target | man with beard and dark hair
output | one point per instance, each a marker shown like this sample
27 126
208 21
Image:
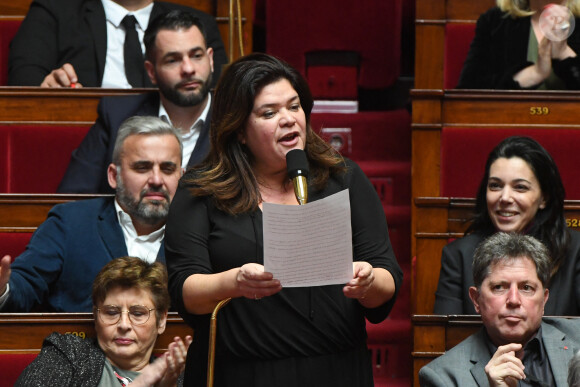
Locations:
181 65
77 239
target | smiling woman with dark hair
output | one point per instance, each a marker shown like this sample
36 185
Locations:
521 191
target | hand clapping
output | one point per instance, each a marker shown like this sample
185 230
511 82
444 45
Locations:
164 371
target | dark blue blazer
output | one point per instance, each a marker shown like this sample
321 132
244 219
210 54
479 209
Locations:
65 254
56 32
87 169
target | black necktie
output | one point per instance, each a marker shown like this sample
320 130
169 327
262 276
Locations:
134 67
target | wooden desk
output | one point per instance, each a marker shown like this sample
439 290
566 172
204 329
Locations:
25 212
433 335
37 105
438 220
24 332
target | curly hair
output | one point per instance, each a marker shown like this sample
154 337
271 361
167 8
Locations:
133 272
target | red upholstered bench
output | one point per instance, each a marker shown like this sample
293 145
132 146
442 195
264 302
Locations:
33 158
464 152
458 37
14 243
12 365
371 30
8 27
380 142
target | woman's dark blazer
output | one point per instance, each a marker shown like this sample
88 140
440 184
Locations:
499 50
455 278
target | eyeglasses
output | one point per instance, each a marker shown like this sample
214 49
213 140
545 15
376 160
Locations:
111 314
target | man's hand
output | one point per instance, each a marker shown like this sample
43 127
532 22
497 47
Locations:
65 76
505 368
4 273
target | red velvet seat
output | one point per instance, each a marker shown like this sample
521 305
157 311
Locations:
12 365
464 152
384 135
332 34
458 37
35 157
8 27
380 142
14 243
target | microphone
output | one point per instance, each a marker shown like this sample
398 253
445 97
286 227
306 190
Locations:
297 166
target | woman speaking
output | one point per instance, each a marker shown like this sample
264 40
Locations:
269 335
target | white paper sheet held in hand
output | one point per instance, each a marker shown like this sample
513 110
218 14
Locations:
309 245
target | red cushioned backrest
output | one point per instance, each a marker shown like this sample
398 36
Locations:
14 243
464 152
38 155
384 135
12 365
458 37
4 160
8 28
369 27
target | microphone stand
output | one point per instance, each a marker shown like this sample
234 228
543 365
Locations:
301 192
212 336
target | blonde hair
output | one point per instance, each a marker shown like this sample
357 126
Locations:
521 8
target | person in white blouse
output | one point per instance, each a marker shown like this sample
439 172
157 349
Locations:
67 251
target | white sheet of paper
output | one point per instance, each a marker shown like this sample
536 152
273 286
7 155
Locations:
309 245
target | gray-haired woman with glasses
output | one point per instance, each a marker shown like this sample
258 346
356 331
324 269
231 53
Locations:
130 303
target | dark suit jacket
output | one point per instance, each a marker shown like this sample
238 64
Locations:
499 50
65 255
456 277
87 170
56 32
464 364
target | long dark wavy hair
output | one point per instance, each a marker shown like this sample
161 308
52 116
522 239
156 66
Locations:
549 224
226 174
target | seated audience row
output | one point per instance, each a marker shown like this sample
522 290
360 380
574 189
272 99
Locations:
516 346
74 43
521 191
181 65
511 49
78 238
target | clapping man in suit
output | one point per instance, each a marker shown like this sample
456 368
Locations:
515 347
181 64
77 239
95 43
